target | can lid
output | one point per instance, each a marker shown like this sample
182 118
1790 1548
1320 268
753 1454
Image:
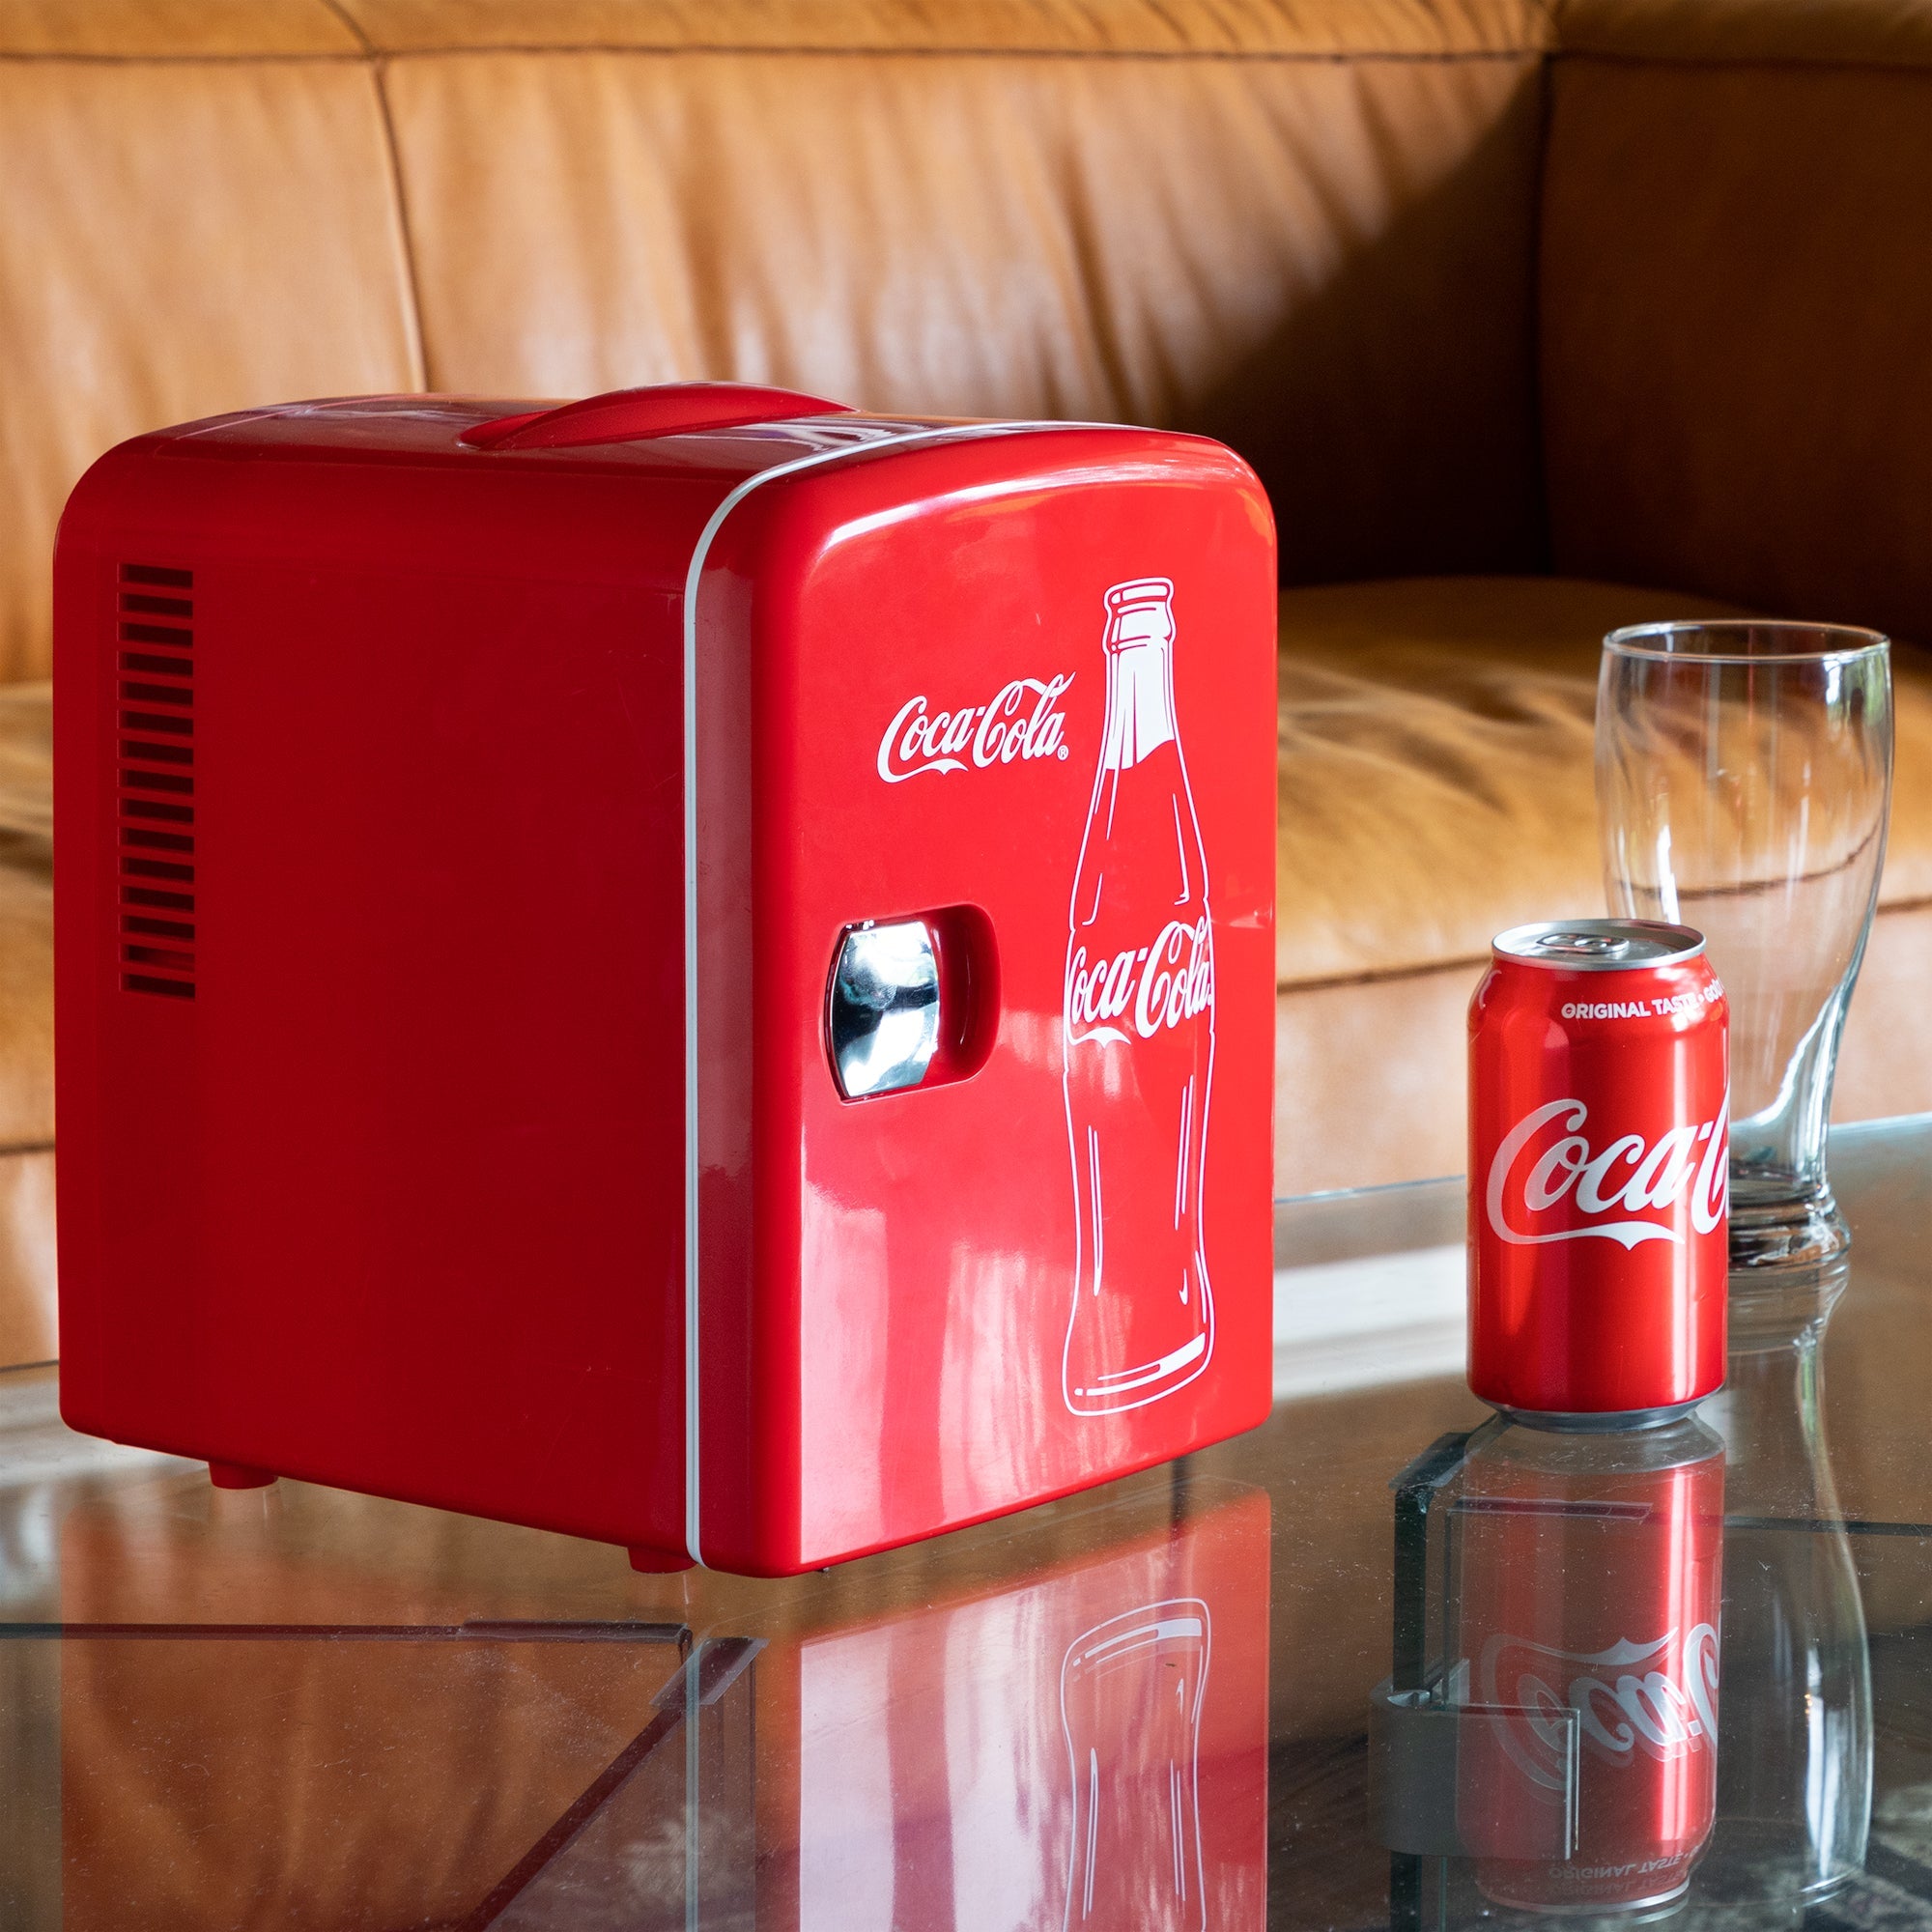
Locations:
1598 944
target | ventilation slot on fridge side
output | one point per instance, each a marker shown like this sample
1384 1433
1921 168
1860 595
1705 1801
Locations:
154 714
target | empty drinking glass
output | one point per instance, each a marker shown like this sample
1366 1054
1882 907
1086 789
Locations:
1743 780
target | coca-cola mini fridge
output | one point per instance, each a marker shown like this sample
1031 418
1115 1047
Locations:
693 968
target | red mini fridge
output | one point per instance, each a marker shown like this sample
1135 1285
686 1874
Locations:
693 968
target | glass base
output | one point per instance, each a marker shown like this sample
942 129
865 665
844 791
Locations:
1784 1230
1767 1864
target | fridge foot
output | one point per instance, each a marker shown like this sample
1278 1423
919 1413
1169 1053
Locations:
658 1562
238 1476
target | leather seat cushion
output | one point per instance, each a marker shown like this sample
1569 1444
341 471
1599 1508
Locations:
1435 787
26 918
27 1313
1436 780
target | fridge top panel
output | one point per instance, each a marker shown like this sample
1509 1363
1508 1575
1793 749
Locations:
703 427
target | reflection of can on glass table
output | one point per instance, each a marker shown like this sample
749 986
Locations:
1130 1692
1589 1580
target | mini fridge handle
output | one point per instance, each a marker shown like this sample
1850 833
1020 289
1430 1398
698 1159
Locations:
629 415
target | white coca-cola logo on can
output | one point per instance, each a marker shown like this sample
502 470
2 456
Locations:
1628 1699
1022 721
1150 987
1548 1170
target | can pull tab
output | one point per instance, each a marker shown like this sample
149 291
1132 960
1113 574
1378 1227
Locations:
1583 945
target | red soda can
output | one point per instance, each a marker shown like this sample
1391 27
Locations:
1588 1579
1599 1157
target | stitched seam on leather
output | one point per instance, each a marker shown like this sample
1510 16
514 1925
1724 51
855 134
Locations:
1223 56
406 242
1228 56
404 231
18 57
1539 412
350 24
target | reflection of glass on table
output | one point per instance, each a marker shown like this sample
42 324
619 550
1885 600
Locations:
1794 1784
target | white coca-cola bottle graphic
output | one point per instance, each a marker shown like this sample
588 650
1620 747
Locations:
1139 1030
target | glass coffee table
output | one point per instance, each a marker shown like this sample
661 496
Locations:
1350 1671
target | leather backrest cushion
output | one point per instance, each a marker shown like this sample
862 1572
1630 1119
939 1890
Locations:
1302 225
178 237
1325 262
123 30
1305 29
1736 312
1862 33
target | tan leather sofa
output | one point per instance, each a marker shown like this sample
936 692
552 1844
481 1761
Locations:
1534 319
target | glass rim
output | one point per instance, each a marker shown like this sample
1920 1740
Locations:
1632 640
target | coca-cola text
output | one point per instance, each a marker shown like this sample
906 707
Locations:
919 741
1156 986
1545 1160
1626 1699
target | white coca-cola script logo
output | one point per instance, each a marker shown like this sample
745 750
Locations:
1155 986
1545 1156
1625 1698
1021 722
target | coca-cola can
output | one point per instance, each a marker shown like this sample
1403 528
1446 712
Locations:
1586 1588
1598 1155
